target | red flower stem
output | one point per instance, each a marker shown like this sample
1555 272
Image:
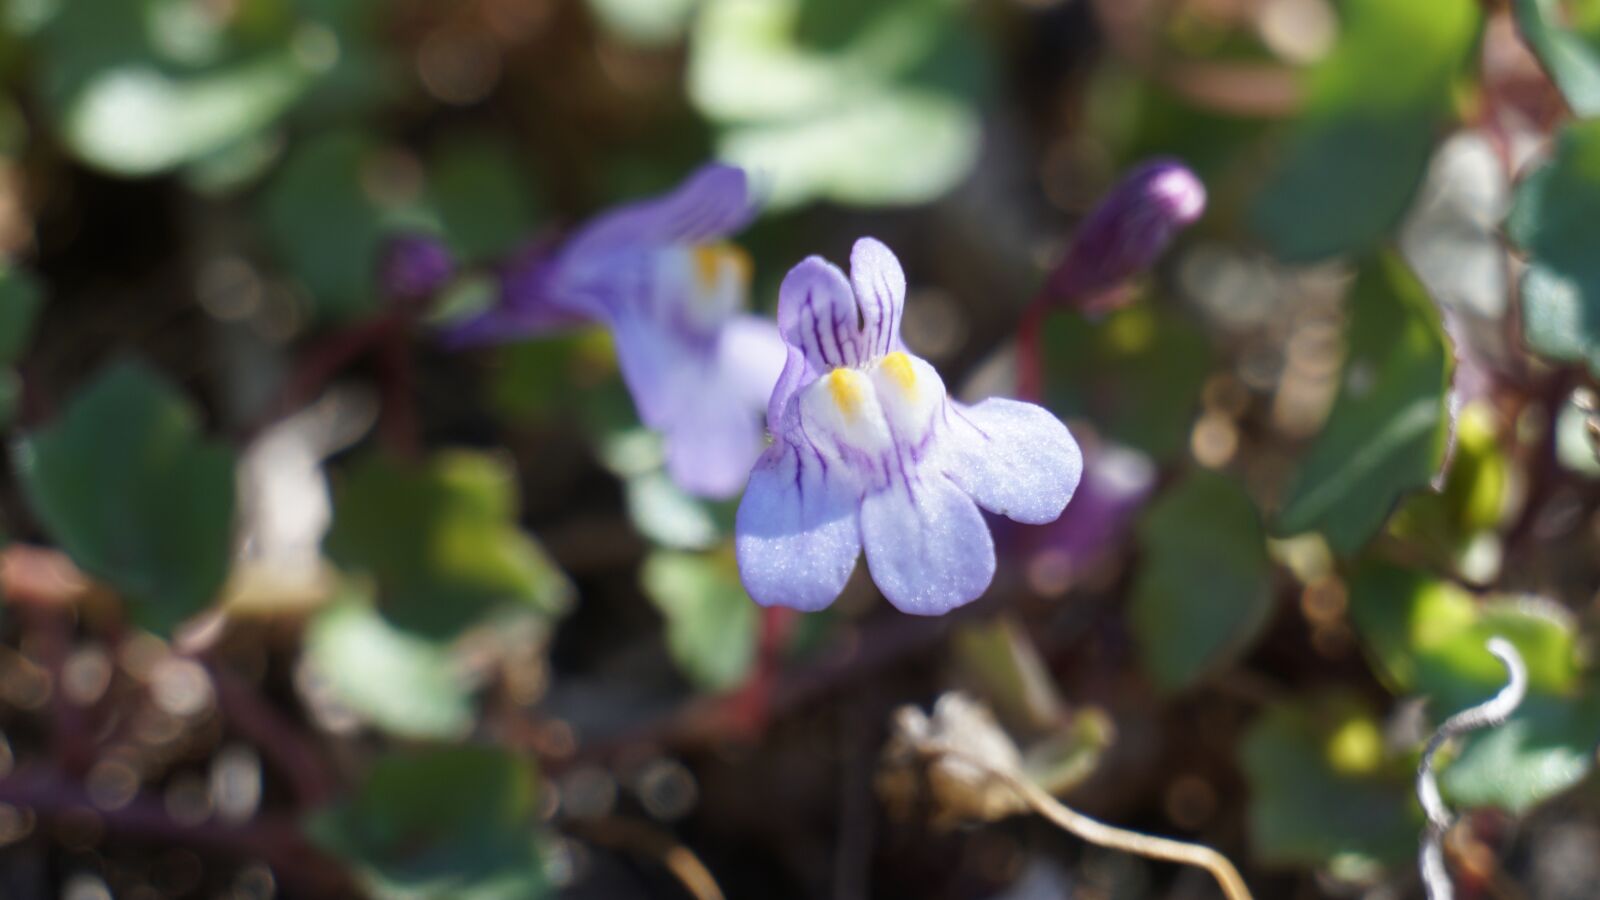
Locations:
1030 353
750 707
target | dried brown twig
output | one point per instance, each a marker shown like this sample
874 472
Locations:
1102 835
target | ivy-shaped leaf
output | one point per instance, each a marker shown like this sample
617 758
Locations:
451 823
711 621
325 223
1551 221
1135 374
1389 429
127 485
141 87
860 103
1428 637
1570 54
1323 790
477 189
1204 589
405 684
441 541
1375 105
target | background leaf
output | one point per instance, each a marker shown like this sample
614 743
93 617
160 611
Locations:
441 541
319 215
404 684
711 621
1205 589
440 824
857 103
1136 374
1554 207
125 482
1389 428
1428 637
1571 55
1359 149
1322 790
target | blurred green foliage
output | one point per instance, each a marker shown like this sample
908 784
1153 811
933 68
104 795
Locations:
1561 288
441 542
128 485
1187 625
296 136
1324 790
861 103
1390 426
1566 37
1373 111
403 683
451 823
1428 637
710 620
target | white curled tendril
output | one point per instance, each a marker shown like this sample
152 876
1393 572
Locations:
1490 714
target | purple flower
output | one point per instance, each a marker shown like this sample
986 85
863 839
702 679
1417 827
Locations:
415 267
658 275
1127 233
871 454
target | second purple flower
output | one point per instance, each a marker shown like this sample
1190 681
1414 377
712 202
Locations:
659 275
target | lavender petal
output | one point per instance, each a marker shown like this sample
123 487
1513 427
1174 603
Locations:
797 537
927 545
1012 458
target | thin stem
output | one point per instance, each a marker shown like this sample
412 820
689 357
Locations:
1102 835
1030 352
651 842
1492 713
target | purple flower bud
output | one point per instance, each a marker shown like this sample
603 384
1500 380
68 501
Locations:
1127 233
415 266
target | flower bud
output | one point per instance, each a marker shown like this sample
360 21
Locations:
414 267
1127 233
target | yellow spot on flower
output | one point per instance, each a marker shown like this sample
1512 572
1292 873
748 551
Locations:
846 387
710 260
899 368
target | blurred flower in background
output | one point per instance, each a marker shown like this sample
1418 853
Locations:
1125 235
658 275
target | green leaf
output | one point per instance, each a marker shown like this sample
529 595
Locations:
1428 637
1570 55
1357 154
1389 429
645 22
858 154
1323 792
441 541
126 484
21 298
1204 589
477 189
711 621
452 823
1551 219
1447 525
859 103
404 684
325 225
1136 374
142 86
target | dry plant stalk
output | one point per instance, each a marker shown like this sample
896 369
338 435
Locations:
1102 835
